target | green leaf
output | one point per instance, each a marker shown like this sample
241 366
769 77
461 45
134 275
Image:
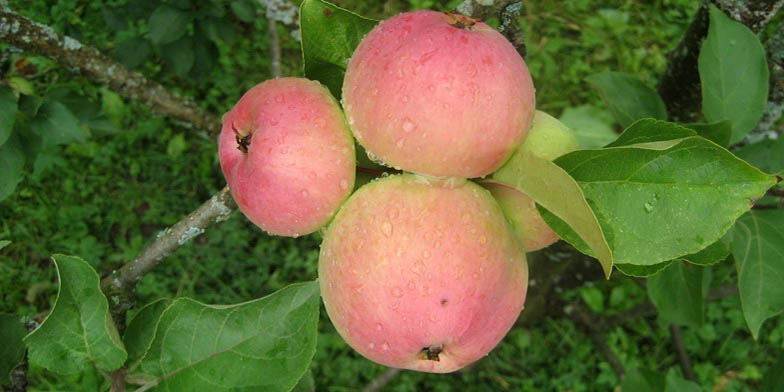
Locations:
8 104
767 155
179 55
713 254
57 125
306 383
677 294
22 85
141 330
653 134
733 75
243 10
113 106
12 161
643 380
78 330
329 36
217 30
757 242
774 377
719 132
661 204
133 51
642 271
266 344
591 126
676 383
4 243
13 349
553 189
176 146
168 24
627 97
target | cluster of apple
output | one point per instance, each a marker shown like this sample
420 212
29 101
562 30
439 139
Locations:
424 270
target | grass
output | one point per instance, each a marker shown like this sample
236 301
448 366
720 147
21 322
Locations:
105 199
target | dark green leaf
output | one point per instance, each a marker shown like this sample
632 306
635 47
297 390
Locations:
643 380
8 104
676 383
677 294
656 205
733 75
757 242
115 18
167 24
774 377
57 125
243 10
653 134
591 126
12 159
205 53
552 188
217 30
627 97
179 55
329 36
713 254
719 132
767 155
141 330
78 330
306 383
642 271
12 350
133 51
266 344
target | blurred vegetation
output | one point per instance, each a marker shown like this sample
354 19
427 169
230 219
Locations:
106 198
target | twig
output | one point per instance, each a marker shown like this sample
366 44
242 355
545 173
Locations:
274 47
583 316
119 284
381 380
507 12
69 53
683 356
776 192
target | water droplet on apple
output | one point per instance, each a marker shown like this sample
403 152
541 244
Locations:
386 228
408 125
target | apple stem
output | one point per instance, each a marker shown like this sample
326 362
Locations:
431 353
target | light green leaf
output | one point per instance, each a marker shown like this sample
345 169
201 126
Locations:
733 75
12 161
628 98
553 189
113 106
654 134
713 254
676 383
719 132
12 350
757 242
643 380
662 204
266 344
141 330
767 155
176 146
168 24
677 294
329 36
591 125
78 330
4 243
56 125
8 104
642 271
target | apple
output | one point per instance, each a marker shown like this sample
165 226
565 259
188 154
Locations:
287 155
438 94
422 274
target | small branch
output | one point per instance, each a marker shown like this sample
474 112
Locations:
69 53
683 356
507 12
19 376
381 380
119 284
583 316
776 192
274 47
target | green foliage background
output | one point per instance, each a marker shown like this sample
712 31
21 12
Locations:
107 197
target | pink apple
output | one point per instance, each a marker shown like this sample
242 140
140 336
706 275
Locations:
287 155
438 94
422 274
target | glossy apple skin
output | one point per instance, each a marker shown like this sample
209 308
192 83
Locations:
299 163
438 94
547 139
411 263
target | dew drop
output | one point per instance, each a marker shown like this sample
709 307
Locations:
344 184
399 143
408 125
379 327
385 346
426 254
648 207
372 345
386 228
374 92
404 98
304 193
279 98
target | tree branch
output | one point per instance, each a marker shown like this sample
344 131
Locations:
69 53
119 284
274 47
584 317
507 12
381 380
680 84
683 356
